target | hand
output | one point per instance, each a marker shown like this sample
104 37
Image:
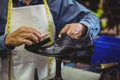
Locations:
74 30
23 35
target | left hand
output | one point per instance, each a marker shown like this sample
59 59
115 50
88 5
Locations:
74 30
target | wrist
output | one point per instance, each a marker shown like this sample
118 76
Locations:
7 42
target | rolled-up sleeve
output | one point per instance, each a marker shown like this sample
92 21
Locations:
70 11
3 47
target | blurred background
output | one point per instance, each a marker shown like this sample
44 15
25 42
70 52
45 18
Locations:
108 11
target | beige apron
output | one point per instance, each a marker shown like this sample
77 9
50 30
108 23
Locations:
24 62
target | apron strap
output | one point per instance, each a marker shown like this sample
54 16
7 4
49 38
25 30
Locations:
8 31
50 30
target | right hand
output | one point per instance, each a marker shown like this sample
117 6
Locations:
23 35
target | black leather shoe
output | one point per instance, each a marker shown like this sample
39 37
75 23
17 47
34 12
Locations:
65 46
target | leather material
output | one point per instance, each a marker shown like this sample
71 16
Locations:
65 46
35 47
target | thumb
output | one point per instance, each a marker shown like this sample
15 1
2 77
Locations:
64 30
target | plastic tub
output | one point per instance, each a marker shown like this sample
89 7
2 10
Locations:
106 50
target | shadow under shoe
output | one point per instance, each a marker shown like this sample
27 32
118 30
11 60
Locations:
65 46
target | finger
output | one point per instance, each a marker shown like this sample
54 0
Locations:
77 36
69 32
76 30
31 37
80 33
36 33
27 42
23 41
33 31
64 30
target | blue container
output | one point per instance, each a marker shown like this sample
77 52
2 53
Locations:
107 49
